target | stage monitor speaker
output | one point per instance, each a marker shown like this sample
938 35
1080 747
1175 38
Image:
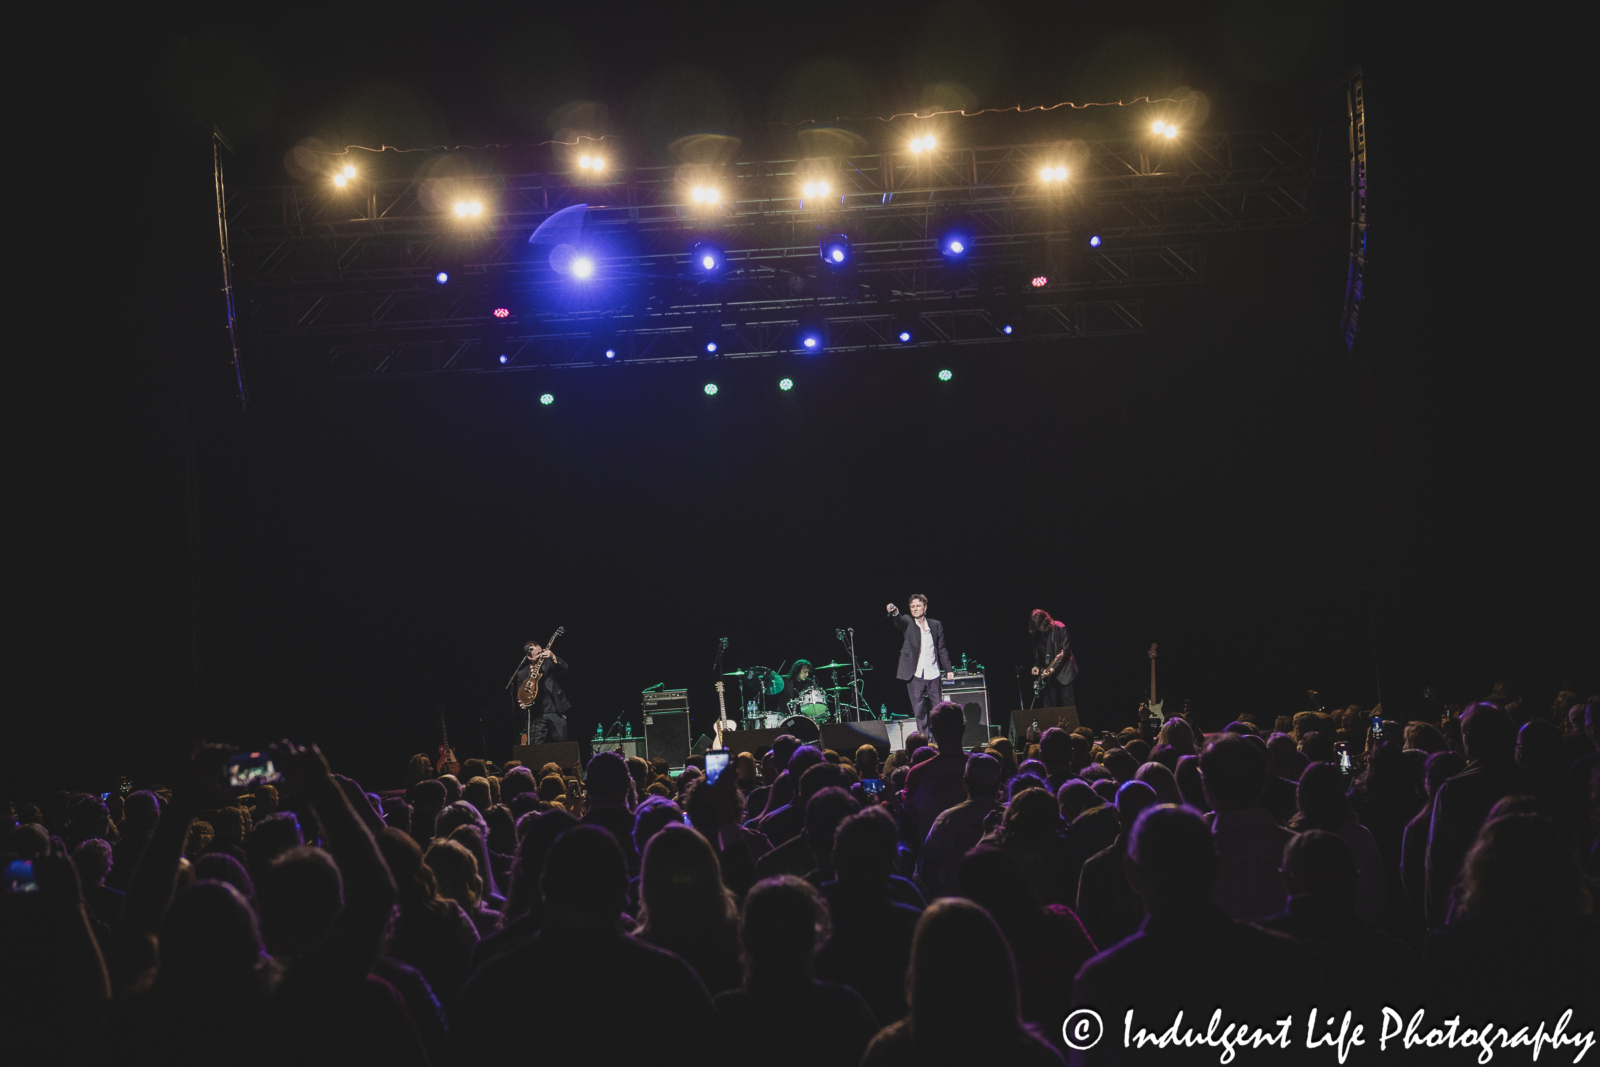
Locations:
754 742
624 746
897 731
563 753
666 736
1066 718
845 737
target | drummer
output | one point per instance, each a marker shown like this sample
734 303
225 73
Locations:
800 679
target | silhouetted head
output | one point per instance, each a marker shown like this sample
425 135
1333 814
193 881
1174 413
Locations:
1055 748
651 816
1076 797
981 776
1132 798
211 943
1233 773
947 723
864 847
1441 767
1522 872
1539 746
221 867
680 886
824 812
993 878
299 894
1032 813
585 876
607 778
783 924
1171 861
955 940
1319 863
1488 734
1321 799
1160 778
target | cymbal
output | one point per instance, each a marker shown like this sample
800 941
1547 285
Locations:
733 674
832 666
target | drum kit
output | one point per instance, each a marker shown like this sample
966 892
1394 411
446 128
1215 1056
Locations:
804 713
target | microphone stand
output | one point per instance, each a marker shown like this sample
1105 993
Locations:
848 636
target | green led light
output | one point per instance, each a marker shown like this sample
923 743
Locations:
786 385
711 389
547 399
945 376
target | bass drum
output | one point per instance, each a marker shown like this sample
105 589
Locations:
801 727
814 705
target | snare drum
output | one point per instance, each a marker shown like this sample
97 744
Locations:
814 704
772 720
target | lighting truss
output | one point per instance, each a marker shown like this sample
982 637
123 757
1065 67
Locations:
348 275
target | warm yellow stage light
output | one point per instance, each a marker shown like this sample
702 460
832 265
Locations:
704 195
597 163
1170 132
339 179
349 172
922 144
1158 127
585 162
477 208
1061 174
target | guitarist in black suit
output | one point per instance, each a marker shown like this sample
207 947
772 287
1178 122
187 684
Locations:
551 706
922 657
1053 660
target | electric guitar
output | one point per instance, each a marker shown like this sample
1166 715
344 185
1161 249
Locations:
448 764
723 722
1154 705
1048 673
528 691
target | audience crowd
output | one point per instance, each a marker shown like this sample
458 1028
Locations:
930 905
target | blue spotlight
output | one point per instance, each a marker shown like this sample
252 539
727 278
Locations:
504 359
441 277
711 348
1006 329
611 353
1094 242
905 336
707 257
957 240
583 268
834 249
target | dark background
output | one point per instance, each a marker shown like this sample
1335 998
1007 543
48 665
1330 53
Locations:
351 557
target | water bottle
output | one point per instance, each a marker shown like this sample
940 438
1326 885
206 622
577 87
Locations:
883 711
599 732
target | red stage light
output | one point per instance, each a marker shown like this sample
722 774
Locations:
502 313
1040 281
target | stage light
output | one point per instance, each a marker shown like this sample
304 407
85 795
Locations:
786 384
706 195
810 341
945 376
349 172
1094 241
922 144
547 400
339 180
583 267
611 353
1006 329
502 313
834 249
504 359
815 189
1170 132
441 277
707 256
711 348
711 389
465 208
955 246
1159 127
1053 174
1040 281
905 336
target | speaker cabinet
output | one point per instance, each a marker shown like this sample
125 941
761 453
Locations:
666 736
972 692
845 737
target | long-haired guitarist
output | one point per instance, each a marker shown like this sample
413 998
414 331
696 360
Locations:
547 718
1053 663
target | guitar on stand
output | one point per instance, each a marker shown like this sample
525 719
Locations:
1151 710
448 764
723 722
